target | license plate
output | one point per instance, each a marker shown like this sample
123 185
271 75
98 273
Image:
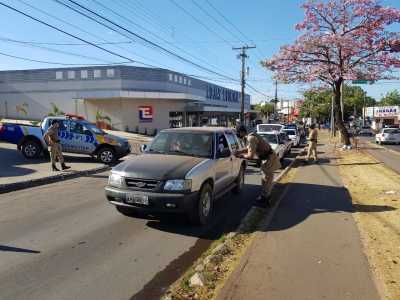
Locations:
137 199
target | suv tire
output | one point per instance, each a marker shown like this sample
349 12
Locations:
239 182
203 207
106 155
31 149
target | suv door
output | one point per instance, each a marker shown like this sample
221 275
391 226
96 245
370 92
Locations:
236 162
82 138
223 168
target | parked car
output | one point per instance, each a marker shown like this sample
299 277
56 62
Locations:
263 128
287 142
388 135
76 136
294 136
183 170
277 145
366 131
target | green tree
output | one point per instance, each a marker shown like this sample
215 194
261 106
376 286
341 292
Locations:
265 108
101 117
391 98
317 103
55 111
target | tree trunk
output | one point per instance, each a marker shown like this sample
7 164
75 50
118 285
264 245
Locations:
338 113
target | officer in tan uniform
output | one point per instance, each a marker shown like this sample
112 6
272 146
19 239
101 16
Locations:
312 145
258 148
52 139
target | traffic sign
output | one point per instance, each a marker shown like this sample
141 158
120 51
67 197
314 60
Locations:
362 81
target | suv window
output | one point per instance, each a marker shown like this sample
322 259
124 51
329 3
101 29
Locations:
222 143
233 142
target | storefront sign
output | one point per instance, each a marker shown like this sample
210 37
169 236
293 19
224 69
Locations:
387 111
145 114
222 94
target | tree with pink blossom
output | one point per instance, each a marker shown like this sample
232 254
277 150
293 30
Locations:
341 40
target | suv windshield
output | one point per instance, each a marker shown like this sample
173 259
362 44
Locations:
93 128
290 132
268 127
269 138
183 143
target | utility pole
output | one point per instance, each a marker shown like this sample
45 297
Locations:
243 57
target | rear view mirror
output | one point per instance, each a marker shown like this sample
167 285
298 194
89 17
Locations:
143 148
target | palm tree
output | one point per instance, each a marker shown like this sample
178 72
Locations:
55 111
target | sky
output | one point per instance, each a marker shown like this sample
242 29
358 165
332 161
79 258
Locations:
202 31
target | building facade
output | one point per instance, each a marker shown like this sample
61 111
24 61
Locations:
126 98
383 115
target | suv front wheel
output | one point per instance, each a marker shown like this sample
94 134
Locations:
106 155
202 209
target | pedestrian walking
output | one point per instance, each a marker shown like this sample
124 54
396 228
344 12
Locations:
258 148
312 143
52 139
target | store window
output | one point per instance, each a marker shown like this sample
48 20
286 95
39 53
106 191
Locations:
110 73
59 75
176 78
84 74
189 82
97 73
180 79
184 80
170 77
71 74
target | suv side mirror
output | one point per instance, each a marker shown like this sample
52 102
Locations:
143 148
224 153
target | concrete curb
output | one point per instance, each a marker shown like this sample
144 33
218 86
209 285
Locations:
11 187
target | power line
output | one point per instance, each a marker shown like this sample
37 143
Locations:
66 33
215 19
133 10
82 30
139 36
54 50
62 43
56 63
155 35
200 22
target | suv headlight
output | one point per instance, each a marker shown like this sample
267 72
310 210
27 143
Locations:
115 180
178 185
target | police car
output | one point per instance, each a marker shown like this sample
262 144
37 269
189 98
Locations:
76 136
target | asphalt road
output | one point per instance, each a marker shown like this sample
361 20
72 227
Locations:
388 155
64 241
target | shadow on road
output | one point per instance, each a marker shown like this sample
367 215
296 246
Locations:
15 249
304 200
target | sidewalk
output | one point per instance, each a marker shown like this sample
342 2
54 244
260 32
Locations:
311 249
17 172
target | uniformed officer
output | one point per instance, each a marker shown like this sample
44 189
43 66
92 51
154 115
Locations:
52 139
312 144
258 148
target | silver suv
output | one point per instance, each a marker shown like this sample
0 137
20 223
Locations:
183 170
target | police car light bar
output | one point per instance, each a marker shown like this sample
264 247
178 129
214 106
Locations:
72 116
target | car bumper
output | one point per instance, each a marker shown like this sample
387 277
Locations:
158 202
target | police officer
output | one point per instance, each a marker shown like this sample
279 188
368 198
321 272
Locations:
258 148
312 145
52 139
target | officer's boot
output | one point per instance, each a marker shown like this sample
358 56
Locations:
54 168
64 167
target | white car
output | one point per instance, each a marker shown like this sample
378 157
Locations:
264 128
366 130
277 145
388 135
294 136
